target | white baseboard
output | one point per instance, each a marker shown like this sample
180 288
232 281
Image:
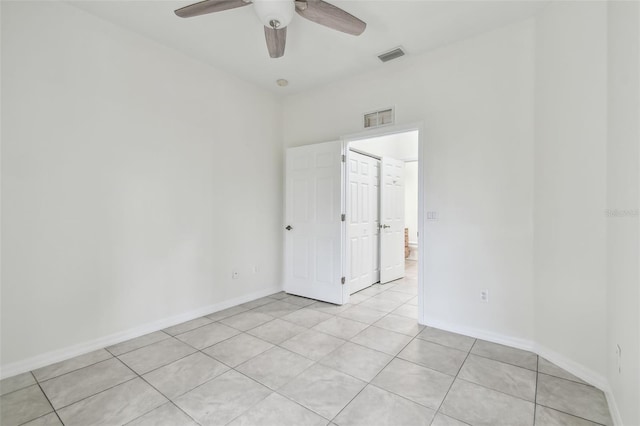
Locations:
58 355
577 369
478 333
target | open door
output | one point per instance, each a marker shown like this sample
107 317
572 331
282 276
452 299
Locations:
392 220
363 220
314 227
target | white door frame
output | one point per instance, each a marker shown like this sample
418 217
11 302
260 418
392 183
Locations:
385 131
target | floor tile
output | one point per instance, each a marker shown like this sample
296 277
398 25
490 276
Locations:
156 355
278 410
246 320
357 298
279 295
23 405
46 420
442 420
419 384
217 316
357 361
409 311
137 343
394 296
277 309
297 300
222 399
478 405
329 308
187 326
306 317
277 331
434 356
573 398
380 304
323 390
413 301
382 340
377 407
549 368
257 303
72 387
14 383
238 349
549 417
446 338
185 374
63 367
165 415
115 406
506 354
362 314
371 291
275 367
312 344
399 324
342 328
409 287
496 375
207 335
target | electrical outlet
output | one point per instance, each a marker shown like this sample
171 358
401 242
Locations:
254 269
235 274
619 353
484 295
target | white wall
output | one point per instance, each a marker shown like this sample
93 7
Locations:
570 182
623 198
402 146
476 100
131 182
411 200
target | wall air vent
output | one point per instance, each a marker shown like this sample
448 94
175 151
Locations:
391 55
379 118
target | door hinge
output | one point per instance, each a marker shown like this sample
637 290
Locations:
344 158
343 217
343 280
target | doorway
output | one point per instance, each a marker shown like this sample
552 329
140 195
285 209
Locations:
316 261
381 209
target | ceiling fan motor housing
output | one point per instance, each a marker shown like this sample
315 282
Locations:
274 13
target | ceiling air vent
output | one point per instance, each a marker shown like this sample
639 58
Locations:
378 118
391 55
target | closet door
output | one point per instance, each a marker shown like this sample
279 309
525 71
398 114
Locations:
392 220
362 220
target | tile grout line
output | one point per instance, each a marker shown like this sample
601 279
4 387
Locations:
453 381
374 377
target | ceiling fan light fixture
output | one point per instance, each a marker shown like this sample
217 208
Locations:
274 13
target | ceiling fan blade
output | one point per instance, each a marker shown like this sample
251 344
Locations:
326 14
276 40
209 6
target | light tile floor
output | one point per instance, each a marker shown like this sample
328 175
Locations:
286 360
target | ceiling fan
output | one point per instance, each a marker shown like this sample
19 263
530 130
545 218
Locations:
276 15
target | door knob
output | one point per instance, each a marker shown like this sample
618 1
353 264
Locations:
386 226
289 228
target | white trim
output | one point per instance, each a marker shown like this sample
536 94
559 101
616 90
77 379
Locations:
58 355
578 370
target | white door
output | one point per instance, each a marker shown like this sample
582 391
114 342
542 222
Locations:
313 242
362 220
392 220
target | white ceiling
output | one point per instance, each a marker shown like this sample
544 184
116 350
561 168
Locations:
233 40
